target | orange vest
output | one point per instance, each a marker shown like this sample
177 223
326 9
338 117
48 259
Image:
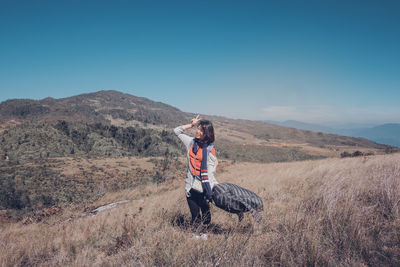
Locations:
195 159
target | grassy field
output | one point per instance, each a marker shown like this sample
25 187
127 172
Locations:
322 212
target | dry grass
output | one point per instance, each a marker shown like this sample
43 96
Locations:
327 212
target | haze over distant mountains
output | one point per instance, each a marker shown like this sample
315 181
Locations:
388 133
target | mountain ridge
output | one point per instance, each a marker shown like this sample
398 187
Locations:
240 137
90 107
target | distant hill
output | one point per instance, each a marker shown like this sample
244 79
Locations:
102 106
111 123
304 126
388 134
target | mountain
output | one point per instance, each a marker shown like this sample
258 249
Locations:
104 106
388 134
304 126
111 123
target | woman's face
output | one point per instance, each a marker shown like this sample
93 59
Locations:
199 133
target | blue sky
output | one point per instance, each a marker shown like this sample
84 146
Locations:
313 61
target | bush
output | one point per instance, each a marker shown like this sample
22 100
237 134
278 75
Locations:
158 177
345 154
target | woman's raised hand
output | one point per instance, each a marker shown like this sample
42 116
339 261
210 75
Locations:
196 120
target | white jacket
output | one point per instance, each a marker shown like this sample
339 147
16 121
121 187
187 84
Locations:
212 162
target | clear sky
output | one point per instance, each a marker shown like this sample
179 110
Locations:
314 61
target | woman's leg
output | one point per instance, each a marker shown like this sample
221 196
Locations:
194 209
205 212
196 201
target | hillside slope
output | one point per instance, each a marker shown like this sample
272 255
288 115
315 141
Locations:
236 139
37 135
327 212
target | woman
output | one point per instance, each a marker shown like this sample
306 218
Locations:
202 163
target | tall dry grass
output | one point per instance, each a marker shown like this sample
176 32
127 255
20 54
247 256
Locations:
327 212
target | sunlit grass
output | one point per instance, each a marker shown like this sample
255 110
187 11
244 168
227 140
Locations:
325 212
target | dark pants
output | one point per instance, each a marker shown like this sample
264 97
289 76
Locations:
197 202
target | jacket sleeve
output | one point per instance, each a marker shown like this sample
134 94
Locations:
207 188
183 137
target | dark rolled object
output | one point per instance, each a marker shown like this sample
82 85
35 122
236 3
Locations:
235 199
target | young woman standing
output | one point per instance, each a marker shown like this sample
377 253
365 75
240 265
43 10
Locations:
202 163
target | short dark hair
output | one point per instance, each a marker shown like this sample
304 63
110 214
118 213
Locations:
208 131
